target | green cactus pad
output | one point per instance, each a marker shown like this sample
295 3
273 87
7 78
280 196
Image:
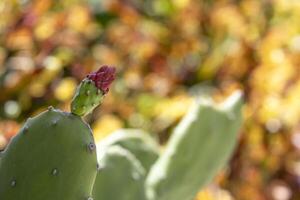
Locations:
199 147
120 176
137 142
53 157
0 158
86 98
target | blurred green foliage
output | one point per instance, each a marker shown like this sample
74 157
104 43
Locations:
166 52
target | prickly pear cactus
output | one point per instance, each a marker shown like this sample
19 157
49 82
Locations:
42 160
120 176
53 156
137 142
198 148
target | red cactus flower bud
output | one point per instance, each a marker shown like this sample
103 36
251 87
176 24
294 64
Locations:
103 77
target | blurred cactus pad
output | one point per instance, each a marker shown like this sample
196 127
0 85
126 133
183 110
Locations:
54 155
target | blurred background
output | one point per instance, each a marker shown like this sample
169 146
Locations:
166 52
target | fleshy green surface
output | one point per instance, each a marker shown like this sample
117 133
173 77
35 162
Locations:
137 142
199 147
53 157
86 98
120 176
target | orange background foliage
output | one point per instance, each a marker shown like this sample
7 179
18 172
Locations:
166 52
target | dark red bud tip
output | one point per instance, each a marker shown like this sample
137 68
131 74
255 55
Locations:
103 77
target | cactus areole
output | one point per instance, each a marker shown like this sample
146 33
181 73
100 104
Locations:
91 91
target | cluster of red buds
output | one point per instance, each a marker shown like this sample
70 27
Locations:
103 77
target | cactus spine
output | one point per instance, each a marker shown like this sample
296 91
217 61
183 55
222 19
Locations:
54 154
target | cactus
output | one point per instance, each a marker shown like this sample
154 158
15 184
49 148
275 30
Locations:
121 176
41 161
54 156
198 148
200 145
92 90
137 142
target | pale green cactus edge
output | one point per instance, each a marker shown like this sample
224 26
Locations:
199 147
120 176
137 142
